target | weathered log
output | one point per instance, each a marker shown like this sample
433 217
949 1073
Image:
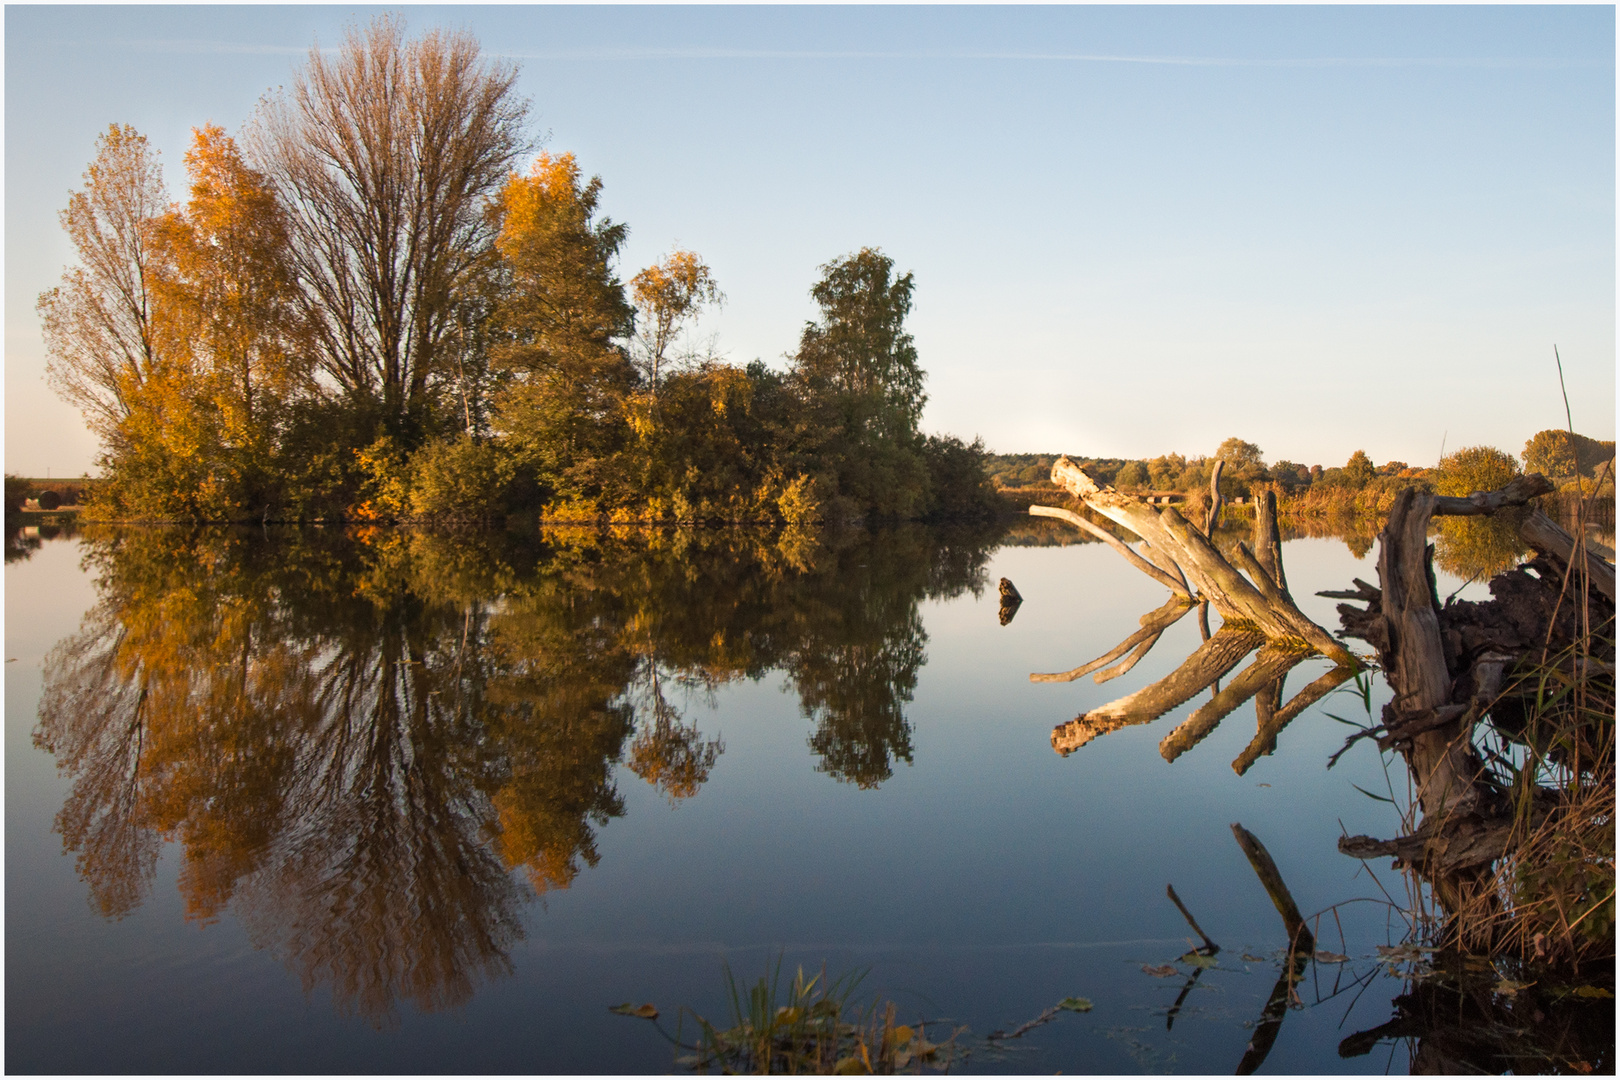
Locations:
1174 584
1518 492
1270 663
1449 846
1267 538
1153 624
1442 760
1549 538
1213 658
1129 662
1234 596
1203 567
1266 737
1213 517
1301 947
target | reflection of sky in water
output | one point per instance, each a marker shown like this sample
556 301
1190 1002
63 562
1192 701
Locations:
983 881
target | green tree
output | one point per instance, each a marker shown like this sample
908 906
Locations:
858 374
1236 452
563 317
1132 477
859 349
1359 470
1559 453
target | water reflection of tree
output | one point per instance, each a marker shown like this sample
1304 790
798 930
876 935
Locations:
357 740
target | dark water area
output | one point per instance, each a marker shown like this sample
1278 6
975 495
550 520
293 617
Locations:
325 800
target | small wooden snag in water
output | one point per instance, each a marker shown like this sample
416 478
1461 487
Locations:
1300 939
1010 599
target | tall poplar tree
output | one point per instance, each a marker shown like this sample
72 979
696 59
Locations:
97 323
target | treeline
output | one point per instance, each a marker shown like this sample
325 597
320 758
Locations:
364 311
1562 456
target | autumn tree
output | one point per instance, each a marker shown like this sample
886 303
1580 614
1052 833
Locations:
224 287
201 433
667 296
97 323
386 153
563 318
1561 453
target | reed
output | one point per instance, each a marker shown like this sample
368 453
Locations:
810 1025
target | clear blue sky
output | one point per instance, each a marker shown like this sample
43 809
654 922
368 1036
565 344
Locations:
1134 229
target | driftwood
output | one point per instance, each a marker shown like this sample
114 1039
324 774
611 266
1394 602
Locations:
1265 738
1214 658
1549 538
1172 537
1154 623
1213 517
1174 584
1270 664
1301 949
1257 613
1448 667
1300 939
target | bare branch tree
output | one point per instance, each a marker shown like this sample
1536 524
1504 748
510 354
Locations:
386 154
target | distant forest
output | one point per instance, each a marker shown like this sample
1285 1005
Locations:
1559 455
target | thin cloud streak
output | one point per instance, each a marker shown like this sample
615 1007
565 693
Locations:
192 46
705 53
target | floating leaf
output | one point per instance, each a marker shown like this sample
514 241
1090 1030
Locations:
645 1012
1508 986
1325 957
1253 959
1075 1004
1198 959
1592 992
1404 952
902 1035
1163 971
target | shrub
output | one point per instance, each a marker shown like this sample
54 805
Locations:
1477 546
18 491
460 480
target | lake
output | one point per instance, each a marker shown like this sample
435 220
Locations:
328 800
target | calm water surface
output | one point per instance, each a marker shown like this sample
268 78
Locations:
321 801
